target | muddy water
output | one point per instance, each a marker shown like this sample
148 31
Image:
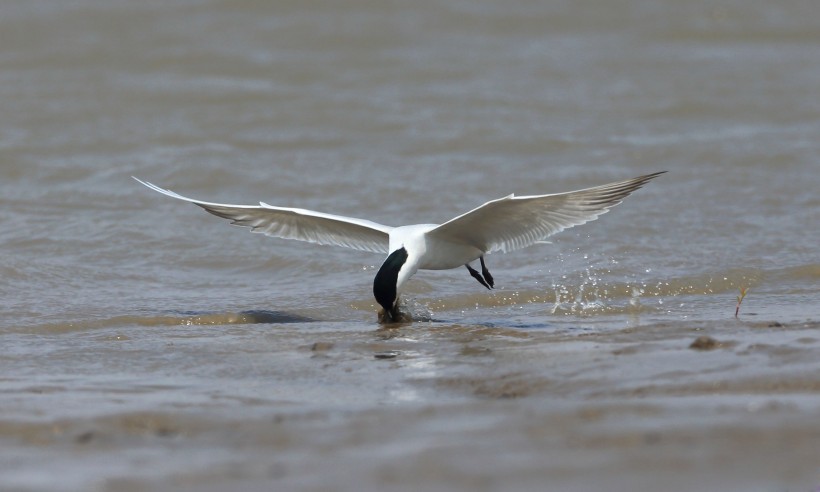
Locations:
150 346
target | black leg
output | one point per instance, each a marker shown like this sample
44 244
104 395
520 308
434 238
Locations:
486 273
477 276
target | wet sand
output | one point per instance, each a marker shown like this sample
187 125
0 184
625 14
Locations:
427 406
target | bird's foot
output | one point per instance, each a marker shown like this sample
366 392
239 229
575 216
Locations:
478 276
486 273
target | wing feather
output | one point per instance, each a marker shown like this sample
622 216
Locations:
297 223
512 223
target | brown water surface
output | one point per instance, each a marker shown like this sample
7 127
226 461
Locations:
147 345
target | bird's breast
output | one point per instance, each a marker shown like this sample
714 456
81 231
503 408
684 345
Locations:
441 255
431 253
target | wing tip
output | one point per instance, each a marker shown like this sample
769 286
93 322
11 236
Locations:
637 183
165 192
147 184
654 175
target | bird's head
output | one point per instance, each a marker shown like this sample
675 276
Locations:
385 285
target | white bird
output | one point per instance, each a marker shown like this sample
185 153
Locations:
505 224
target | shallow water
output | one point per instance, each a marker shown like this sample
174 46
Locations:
150 346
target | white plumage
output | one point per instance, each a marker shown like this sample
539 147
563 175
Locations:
505 224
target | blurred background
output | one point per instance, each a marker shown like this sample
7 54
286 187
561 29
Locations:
397 112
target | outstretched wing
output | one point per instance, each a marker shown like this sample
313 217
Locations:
297 223
513 222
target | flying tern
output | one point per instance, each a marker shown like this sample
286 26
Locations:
506 224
